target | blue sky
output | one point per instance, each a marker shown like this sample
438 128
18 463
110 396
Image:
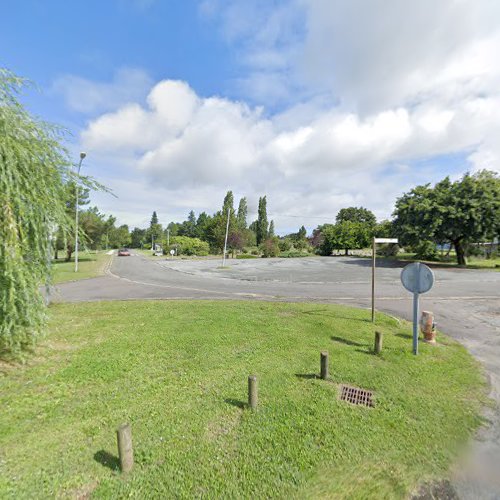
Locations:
319 104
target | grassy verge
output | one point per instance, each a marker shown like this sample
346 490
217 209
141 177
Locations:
90 265
177 371
472 262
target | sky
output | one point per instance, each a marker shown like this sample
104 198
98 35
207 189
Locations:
317 104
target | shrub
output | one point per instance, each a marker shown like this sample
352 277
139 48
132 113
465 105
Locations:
389 250
189 246
270 247
285 244
426 250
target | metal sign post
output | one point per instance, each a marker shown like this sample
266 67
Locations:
417 278
375 241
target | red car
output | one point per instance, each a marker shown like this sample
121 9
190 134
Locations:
124 252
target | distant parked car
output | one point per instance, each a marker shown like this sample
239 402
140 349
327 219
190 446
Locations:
124 252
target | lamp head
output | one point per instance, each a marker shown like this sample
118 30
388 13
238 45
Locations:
83 155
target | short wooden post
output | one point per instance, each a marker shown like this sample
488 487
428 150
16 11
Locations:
252 392
125 451
324 365
378 342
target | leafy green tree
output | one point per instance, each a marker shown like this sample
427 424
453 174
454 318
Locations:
271 229
188 227
119 237
356 214
345 236
202 225
242 214
461 212
228 205
155 230
173 227
262 224
34 170
137 237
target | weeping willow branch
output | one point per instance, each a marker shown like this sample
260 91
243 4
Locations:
33 169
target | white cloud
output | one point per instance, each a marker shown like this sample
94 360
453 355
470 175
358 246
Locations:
376 92
183 142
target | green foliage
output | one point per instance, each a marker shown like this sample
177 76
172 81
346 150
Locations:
262 224
189 246
426 250
271 232
460 212
137 237
155 230
293 254
270 247
119 237
356 214
242 214
33 168
345 235
285 244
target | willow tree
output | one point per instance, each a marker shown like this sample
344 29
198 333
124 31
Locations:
34 167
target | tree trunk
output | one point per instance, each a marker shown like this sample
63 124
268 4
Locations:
69 253
346 251
459 249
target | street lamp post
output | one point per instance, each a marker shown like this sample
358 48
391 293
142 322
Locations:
82 156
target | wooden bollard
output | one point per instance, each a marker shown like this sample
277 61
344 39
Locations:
378 342
324 365
252 392
125 451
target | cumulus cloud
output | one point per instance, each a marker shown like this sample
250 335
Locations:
373 96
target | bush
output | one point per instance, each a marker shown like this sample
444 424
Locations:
255 252
285 244
270 247
189 246
389 250
293 254
246 256
426 250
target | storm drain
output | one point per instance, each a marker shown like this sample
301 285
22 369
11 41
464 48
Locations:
357 396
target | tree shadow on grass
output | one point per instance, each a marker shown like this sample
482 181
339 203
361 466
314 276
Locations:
367 350
346 341
307 376
326 312
107 459
404 335
236 402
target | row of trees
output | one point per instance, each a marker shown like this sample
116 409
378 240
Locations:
450 214
206 233
457 214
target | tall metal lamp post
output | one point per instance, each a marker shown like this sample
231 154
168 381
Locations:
82 156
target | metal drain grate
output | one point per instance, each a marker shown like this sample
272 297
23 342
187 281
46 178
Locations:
357 396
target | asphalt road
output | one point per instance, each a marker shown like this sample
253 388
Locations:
466 305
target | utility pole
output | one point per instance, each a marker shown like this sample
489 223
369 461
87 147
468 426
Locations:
82 156
225 240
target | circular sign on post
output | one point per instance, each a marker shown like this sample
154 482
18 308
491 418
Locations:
417 277
172 252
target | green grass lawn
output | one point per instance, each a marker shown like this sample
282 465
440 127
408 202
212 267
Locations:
90 265
472 262
177 371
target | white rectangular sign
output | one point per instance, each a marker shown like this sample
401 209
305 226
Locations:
386 240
